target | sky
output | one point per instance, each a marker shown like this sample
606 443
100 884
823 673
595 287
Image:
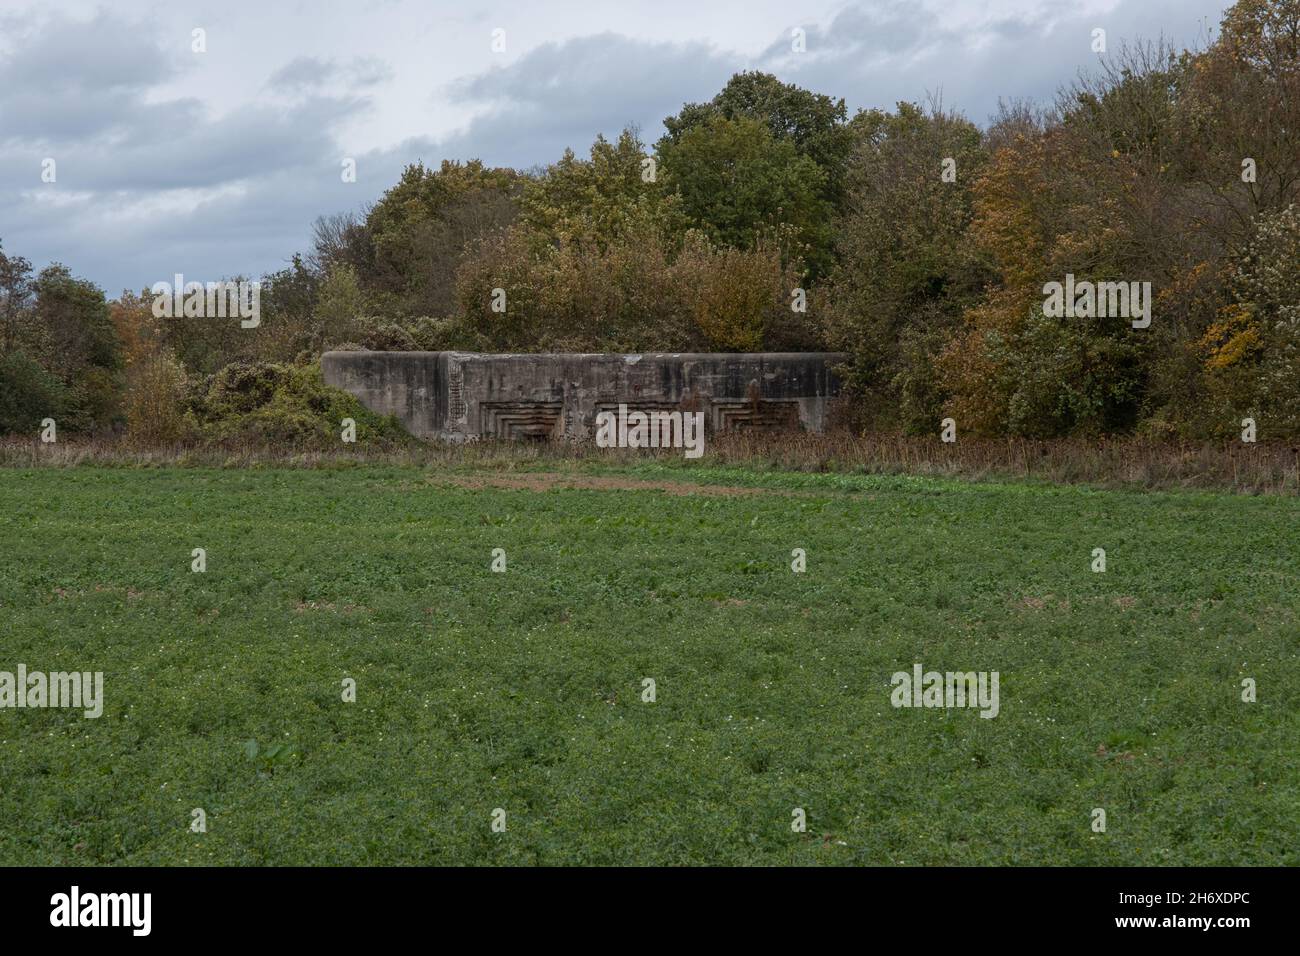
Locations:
215 163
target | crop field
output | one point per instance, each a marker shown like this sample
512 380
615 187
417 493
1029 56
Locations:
528 690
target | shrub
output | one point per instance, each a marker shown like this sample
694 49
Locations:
264 403
1251 355
1065 376
155 396
28 393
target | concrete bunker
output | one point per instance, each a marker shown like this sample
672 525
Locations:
464 396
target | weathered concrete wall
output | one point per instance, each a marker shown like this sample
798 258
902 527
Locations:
410 385
459 396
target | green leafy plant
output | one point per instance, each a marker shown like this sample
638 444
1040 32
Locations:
267 758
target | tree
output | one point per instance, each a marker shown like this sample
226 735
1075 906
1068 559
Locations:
736 182
600 199
28 394
62 354
816 125
15 299
154 392
1251 354
340 305
909 221
420 229
1243 103
635 291
340 240
1085 195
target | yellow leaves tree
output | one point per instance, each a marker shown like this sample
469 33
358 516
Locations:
155 379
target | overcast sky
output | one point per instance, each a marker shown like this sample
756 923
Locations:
216 163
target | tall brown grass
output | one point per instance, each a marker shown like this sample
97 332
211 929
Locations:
1113 463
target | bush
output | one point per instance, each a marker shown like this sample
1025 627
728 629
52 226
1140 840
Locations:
155 395
636 292
28 394
1065 376
264 403
1251 355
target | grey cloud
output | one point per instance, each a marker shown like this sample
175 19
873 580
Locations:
100 53
246 145
889 28
309 72
302 71
176 148
80 93
34 116
562 94
876 55
71 81
250 232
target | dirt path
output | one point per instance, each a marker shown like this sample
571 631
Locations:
549 481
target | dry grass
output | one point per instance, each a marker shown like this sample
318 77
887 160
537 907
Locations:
1115 463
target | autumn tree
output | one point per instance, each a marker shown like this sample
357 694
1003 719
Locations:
419 230
599 199
904 266
1240 126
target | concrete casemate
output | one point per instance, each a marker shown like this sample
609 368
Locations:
462 396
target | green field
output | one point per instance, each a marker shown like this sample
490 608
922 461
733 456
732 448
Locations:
523 690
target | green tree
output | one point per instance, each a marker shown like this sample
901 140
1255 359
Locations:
816 125
28 394
340 305
600 199
15 299
74 338
737 182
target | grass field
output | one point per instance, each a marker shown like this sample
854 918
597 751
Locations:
523 690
